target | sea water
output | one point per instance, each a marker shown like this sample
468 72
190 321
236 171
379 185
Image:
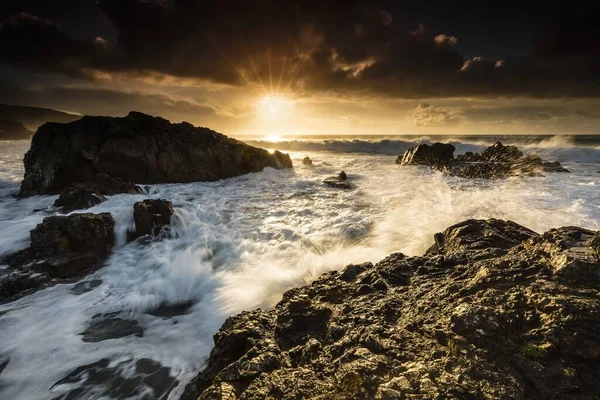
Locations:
239 244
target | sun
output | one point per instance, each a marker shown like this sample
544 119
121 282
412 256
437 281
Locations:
273 107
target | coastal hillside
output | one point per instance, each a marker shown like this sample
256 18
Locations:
33 117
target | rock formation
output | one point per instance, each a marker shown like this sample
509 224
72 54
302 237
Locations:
88 194
62 247
138 148
496 162
150 217
491 311
339 181
306 161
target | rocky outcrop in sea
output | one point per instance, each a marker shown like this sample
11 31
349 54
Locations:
492 310
137 148
496 162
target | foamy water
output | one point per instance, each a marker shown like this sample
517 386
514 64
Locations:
238 244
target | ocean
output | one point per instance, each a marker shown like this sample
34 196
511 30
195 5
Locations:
239 244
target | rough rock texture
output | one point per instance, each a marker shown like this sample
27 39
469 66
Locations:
62 247
339 181
306 161
87 194
424 154
496 162
138 148
150 217
492 311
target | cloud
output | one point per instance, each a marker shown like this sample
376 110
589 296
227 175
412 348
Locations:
306 46
426 115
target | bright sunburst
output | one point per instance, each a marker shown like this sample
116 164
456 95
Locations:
274 107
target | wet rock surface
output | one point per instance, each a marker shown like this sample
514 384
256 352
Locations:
81 195
306 161
110 326
491 311
137 148
496 162
143 378
62 248
151 217
339 181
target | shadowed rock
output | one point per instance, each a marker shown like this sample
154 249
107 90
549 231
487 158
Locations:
339 182
62 247
424 154
306 161
88 194
492 311
496 162
138 148
150 217
13 130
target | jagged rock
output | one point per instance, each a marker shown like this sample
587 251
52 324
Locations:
80 195
138 148
554 166
13 130
424 154
496 162
339 182
492 311
150 217
62 247
306 161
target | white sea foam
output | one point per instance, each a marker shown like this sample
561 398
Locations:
240 243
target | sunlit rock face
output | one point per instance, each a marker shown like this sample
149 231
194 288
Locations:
491 311
138 148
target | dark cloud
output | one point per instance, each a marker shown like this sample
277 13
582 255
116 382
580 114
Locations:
309 45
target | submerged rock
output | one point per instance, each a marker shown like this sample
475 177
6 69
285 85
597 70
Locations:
339 182
150 217
554 166
306 161
137 148
62 247
496 162
492 311
105 327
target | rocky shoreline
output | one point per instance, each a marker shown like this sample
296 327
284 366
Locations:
493 310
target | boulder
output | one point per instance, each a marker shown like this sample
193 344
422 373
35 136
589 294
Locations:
339 181
306 161
137 148
554 166
62 247
80 195
150 217
501 153
424 154
492 311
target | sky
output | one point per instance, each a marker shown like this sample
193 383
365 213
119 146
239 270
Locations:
299 67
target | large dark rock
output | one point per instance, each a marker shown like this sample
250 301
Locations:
492 311
62 247
150 217
80 195
138 148
13 130
424 154
496 162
